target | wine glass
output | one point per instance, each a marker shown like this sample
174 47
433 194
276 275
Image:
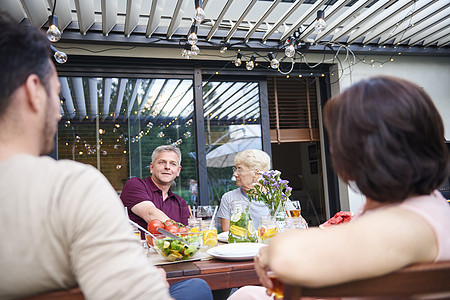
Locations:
293 208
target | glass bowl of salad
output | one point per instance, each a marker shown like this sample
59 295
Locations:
174 250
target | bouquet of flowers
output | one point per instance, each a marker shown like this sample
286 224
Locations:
272 190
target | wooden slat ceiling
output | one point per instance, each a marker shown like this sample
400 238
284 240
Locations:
414 26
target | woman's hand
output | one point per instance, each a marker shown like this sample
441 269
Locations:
262 266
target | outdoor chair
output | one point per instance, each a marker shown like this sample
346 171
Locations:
425 279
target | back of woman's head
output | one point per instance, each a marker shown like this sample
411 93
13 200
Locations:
387 136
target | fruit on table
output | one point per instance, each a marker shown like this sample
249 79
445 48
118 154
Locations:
339 218
172 228
210 238
236 217
153 226
239 231
268 233
251 228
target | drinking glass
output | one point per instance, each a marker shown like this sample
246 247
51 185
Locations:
267 229
293 208
194 224
296 223
209 230
204 211
277 290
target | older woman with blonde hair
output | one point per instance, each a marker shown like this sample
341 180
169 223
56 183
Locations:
248 164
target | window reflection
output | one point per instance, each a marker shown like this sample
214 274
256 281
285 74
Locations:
232 124
115 123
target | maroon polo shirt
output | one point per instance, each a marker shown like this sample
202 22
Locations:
137 190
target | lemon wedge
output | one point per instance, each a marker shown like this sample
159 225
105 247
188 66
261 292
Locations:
270 233
235 217
211 242
251 228
239 231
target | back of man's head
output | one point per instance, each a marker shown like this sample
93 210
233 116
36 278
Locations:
24 50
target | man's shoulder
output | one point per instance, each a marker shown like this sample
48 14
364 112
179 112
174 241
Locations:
136 182
48 164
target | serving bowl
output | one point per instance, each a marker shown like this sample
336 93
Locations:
175 250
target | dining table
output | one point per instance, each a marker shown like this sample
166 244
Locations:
218 273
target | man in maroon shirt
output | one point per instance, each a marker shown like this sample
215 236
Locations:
151 198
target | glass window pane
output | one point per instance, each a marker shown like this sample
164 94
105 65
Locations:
232 124
114 124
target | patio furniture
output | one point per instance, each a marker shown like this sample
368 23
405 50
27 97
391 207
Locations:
419 279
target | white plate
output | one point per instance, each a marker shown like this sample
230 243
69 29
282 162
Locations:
223 237
236 251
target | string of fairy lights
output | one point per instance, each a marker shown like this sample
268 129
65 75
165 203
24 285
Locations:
293 53
123 138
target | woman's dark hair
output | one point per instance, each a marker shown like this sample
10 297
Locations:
24 50
387 136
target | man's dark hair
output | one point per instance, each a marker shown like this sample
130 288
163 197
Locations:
24 50
387 136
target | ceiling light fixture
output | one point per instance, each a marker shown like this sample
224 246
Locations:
320 21
274 63
53 32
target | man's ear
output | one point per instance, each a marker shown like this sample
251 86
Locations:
33 87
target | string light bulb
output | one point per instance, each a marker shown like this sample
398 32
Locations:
195 50
192 37
53 33
224 48
59 56
290 49
274 63
320 21
238 60
251 63
186 52
199 12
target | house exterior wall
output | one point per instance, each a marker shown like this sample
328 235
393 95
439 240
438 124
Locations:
431 73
